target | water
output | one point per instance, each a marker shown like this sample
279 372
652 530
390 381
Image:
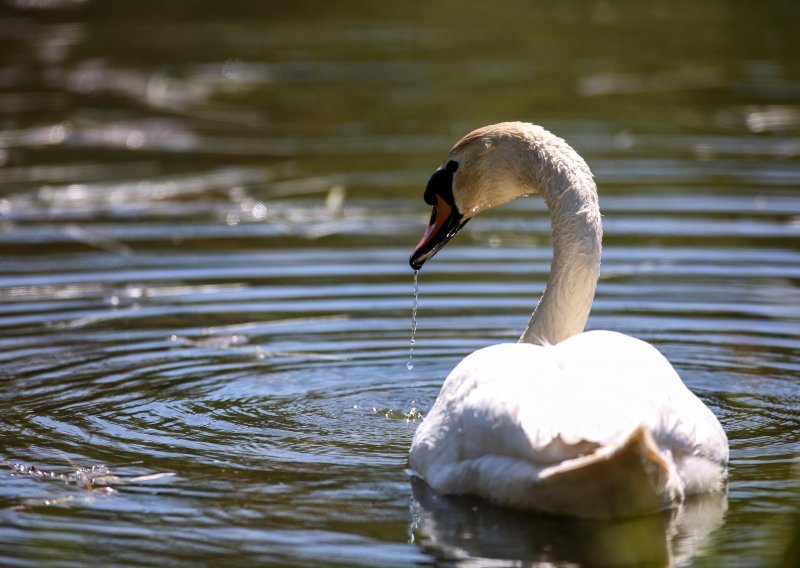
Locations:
414 306
205 223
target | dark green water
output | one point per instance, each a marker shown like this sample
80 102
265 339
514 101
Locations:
206 211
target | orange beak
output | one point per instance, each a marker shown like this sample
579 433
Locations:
444 224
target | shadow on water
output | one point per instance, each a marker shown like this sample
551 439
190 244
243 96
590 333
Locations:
469 532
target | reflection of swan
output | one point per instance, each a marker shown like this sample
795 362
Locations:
594 424
480 534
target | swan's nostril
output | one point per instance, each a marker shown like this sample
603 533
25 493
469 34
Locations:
441 184
435 184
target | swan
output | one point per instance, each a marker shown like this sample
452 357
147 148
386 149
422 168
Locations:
590 424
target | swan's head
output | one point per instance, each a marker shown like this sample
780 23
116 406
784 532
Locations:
487 167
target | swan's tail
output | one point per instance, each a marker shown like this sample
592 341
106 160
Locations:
625 479
629 478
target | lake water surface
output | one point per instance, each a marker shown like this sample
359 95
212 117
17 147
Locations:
206 211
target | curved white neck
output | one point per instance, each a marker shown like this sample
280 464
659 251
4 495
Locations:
567 186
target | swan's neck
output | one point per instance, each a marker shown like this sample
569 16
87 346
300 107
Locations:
567 186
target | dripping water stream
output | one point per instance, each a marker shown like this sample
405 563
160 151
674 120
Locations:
415 303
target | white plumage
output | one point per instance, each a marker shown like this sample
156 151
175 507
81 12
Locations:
594 424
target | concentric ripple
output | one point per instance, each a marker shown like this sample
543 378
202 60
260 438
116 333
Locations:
205 298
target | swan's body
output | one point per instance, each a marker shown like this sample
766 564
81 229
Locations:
594 424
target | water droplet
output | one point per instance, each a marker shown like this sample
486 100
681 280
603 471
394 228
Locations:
410 364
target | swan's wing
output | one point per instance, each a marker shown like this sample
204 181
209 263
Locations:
650 392
530 408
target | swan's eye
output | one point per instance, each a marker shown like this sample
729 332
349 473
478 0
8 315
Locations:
441 183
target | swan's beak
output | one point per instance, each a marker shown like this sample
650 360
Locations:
445 222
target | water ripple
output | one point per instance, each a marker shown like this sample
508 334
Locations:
204 281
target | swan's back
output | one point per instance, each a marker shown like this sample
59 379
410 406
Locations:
599 425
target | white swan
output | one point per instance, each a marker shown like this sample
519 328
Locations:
594 424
